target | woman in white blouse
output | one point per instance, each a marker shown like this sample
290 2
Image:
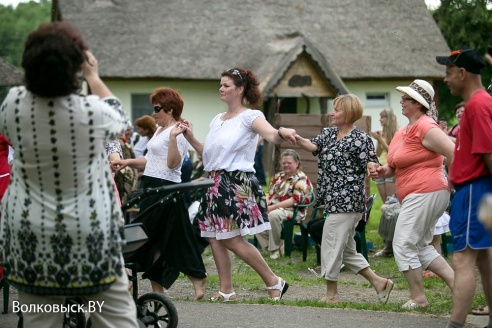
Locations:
173 247
236 205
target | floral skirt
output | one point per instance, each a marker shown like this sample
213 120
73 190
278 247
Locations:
235 205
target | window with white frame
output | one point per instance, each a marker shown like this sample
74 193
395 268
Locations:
377 100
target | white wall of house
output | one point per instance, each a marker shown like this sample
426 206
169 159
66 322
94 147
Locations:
371 108
201 99
361 89
202 102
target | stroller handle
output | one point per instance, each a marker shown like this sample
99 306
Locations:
179 187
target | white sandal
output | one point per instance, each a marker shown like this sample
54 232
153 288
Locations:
224 297
281 287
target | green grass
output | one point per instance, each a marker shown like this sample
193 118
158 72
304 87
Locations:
245 278
290 269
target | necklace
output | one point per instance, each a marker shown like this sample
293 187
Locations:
168 125
226 119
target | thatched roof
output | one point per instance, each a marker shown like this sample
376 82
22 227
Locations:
196 40
9 74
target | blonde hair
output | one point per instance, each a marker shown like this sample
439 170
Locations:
389 130
350 105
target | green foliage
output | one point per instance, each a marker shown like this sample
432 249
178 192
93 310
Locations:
463 22
16 24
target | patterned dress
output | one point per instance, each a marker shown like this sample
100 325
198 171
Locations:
342 168
236 204
60 228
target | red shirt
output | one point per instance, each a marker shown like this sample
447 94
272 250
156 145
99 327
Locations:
4 165
474 139
4 154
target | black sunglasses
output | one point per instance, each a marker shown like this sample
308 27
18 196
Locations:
157 109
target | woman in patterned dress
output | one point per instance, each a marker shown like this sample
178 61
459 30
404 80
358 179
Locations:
344 155
60 220
236 205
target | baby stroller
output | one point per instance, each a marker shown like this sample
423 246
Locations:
153 309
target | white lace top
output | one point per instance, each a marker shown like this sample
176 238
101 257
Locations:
231 145
157 149
140 146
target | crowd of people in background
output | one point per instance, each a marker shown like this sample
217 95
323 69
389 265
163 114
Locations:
75 176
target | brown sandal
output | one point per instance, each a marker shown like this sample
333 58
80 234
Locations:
481 310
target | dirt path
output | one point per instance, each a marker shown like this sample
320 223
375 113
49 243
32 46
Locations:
352 288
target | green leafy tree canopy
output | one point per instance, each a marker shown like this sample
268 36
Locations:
16 24
463 22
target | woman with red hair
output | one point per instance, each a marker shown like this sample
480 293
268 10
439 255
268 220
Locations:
173 246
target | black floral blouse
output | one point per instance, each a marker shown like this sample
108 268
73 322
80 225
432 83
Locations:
342 168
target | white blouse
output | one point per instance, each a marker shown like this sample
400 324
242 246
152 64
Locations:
140 147
231 145
157 149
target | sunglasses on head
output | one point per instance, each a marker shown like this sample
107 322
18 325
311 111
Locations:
157 109
234 71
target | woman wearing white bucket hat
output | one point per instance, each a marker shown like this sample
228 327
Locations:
415 157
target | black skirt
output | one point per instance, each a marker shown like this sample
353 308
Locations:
172 246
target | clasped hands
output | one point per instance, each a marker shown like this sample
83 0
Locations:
378 135
376 171
117 165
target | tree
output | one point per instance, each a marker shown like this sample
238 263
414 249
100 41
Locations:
463 22
15 25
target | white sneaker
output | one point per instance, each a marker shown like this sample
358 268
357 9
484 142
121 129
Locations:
275 255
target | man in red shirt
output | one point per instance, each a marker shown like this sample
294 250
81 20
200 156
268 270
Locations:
471 175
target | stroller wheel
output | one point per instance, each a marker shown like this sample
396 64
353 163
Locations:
73 319
156 310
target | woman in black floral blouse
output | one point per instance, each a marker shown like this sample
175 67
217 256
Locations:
344 155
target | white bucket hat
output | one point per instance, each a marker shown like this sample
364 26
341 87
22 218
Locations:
421 91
